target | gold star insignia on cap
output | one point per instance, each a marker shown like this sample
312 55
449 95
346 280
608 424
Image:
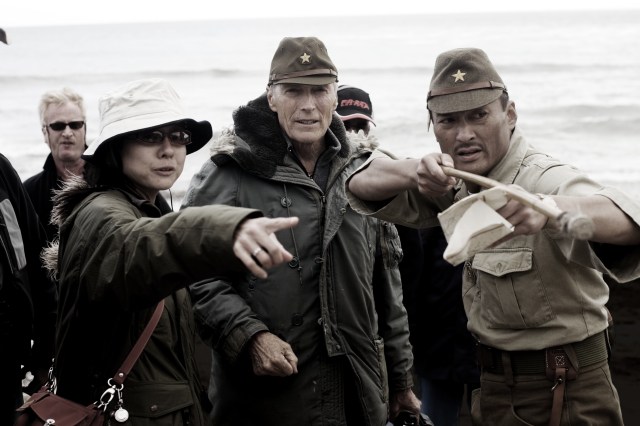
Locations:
459 76
305 58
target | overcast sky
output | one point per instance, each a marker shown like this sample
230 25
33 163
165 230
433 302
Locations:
71 12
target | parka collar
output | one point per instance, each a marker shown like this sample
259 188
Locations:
258 145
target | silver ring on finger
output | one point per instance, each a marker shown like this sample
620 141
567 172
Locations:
256 251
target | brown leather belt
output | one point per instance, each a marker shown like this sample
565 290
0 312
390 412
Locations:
591 350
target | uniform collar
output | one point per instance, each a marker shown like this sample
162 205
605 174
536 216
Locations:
507 169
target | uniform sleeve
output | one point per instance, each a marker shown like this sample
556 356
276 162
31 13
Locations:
408 208
620 262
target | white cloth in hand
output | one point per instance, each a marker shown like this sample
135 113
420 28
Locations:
472 224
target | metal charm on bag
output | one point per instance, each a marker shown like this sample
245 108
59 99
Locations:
121 415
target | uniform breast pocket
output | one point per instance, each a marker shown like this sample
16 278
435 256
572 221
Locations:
512 292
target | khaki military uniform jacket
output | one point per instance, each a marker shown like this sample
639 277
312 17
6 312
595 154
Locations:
533 291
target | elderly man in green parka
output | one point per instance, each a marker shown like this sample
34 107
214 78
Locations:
316 342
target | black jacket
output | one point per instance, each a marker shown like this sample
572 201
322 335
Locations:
27 297
443 347
40 187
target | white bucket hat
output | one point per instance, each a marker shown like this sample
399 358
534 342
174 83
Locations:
145 104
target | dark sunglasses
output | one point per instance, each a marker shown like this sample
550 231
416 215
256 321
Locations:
177 137
356 124
59 126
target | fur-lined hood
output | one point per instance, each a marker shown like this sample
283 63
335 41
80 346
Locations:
76 191
257 143
65 200
72 193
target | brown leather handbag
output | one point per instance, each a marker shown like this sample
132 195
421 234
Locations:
45 408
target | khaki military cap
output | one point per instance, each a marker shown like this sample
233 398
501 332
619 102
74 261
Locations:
463 79
302 60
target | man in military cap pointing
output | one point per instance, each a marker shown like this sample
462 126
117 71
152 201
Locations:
535 299
315 343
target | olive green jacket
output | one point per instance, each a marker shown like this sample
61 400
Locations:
325 303
118 257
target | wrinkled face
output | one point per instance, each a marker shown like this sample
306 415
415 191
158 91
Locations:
154 164
304 111
67 144
476 139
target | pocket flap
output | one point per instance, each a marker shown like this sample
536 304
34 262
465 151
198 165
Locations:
152 400
505 261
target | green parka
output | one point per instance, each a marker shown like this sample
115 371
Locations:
118 257
326 303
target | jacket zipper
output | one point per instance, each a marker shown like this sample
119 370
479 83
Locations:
3 240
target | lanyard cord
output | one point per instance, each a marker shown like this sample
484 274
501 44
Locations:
297 259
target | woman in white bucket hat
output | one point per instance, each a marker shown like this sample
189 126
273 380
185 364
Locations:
122 250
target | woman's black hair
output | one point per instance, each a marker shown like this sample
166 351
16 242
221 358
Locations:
105 166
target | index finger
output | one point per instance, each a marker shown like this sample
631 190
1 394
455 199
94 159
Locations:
431 176
435 168
279 223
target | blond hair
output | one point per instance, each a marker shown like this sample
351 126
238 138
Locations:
60 97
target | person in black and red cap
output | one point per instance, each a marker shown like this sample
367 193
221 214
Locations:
444 356
355 109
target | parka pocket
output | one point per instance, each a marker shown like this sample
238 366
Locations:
382 362
512 293
154 400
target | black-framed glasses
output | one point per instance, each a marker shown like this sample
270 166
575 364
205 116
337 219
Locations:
156 137
59 126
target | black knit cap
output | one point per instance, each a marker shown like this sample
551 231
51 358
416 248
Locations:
302 60
463 79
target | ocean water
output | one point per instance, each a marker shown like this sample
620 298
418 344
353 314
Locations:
572 75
